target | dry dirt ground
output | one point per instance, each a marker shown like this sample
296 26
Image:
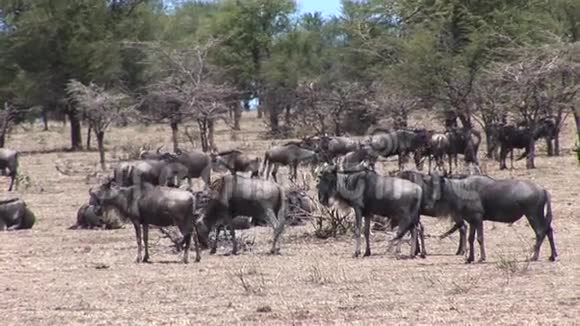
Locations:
51 275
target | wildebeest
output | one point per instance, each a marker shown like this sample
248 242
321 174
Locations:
91 216
478 198
198 164
259 199
290 155
371 194
356 157
236 161
151 155
511 137
15 215
400 142
146 204
430 206
9 160
463 141
337 146
156 172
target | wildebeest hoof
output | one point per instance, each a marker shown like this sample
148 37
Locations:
367 253
423 255
460 253
469 261
356 254
481 260
275 251
552 258
212 252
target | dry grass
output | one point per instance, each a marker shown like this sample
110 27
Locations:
51 275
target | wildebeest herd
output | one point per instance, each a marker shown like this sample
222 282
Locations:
150 191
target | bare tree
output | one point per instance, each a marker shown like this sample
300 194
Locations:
185 86
100 107
8 116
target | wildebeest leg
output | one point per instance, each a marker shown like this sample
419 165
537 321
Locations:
12 178
482 255
234 241
462 239
278 227
367 235
512 159
214 244
274 172
471 239
552 244
502 157
357 225
414 241
196 244
146 242
187 244
138 236
421 230
539 226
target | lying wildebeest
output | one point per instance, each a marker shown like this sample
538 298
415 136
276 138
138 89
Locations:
9 160
89 217
151 155
259 199
146 204
236 161
400 142
290 155
15 215
511 137
198 164
430 206
371 194
478 198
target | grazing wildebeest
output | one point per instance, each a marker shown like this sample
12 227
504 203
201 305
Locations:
146 204
430 206
400 142
356 157
156 172
15 215
236 161
198 164
9 160
478 198
511 137
151 155
337 146
371 194
290 155
259 199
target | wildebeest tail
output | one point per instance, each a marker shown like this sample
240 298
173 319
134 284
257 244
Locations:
549 214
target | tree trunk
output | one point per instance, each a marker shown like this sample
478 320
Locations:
237 116
2 139
89 130
44 115
577 142
210 135
549 146
100 143
274 123
76 138
531 154
203 135
174 136
288 116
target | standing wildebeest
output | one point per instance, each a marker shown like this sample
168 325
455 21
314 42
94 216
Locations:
430 206
337 146
151 155
477 198
400 142
290 155
156 172
9 160
234 196
463 141
198 164
236 161
371 194
146 204
511 137
356 157
15 215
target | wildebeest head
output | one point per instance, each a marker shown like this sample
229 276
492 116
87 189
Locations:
327 184
106 194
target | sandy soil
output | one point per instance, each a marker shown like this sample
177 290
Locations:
51 275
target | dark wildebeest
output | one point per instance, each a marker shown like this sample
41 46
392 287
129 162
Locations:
259 199
151 155
463 141
236 161
356 157
156 172
198 164
400 142
290 155
337 146
15 215
146 204
371 194
511 137
9 160
478 198
436 208
89 217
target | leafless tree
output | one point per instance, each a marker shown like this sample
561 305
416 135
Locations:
100 107
8 116
185 86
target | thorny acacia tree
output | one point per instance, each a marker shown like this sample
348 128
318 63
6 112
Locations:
100 107
185 86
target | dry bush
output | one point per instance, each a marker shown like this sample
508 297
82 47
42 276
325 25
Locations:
330 222
249 278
